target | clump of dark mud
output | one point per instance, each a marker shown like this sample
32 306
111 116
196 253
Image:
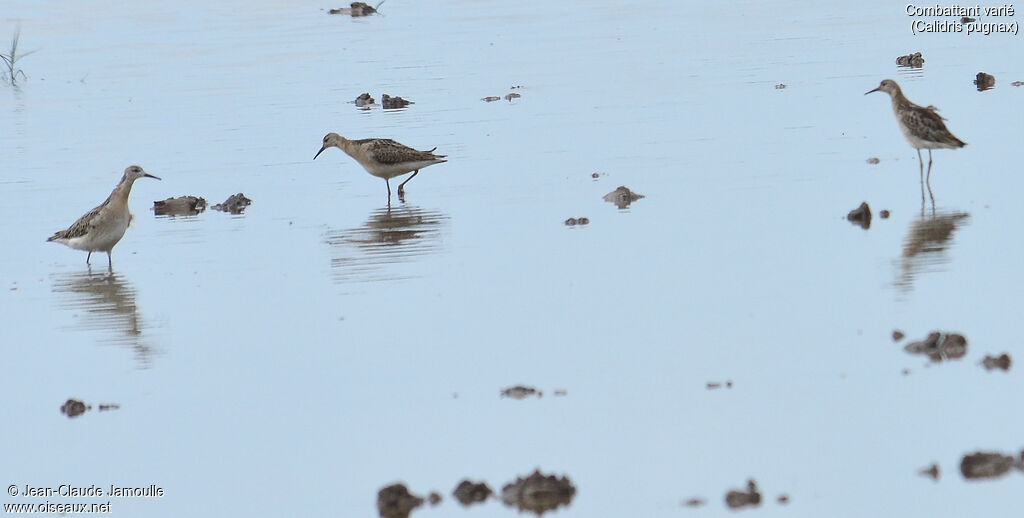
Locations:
874 160
521 392
930 472
884 214
780 86
1003 362
513 95
392 103
491 98
989 464
434 498
940 346
180 206
235 204
355 9
571 222
910 60
364 100
897 335
860 216
395 501
538 493
694 502
1017 83
622 197
74 408
736 498
984 81
782 499
711 385
967 19
468 492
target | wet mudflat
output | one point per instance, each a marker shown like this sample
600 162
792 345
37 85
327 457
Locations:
321 344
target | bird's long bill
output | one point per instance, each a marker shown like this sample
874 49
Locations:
151 176
321 151
875 90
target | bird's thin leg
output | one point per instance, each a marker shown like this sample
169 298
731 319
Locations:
88 257
110 261
401 187
929 169
386 182
920 162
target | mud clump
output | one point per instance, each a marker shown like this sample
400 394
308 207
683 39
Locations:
737 499
74 408
235 204
712 385
982 464
897 335
355 9
874 160
491 98
513 95
860 216
180 206
468 493
571 222
395 501
1003 362
984 81
884 214
364 100
911 60
931 472
538 493
694 502
967 19
622 197
780 86
521 392
939 346
393 103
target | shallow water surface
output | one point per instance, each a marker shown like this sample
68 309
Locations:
326 343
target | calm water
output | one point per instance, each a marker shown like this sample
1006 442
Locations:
296 358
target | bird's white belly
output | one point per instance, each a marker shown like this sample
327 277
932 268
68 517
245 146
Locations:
389 171
102 238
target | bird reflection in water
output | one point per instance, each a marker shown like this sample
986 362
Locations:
926 242
389 236
105 302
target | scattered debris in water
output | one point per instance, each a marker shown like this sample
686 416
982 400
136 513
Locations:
577 221
538 493
874 160
180 206
235 204
780 86
782 499
104 407
711 385
622 197
434 498
364 100
391 103
1002 361
897 335
884 214
938 346
967 19
737 499
561 392
355 9
395 501
694 502
74 408
1017 83
931 471
491 98
989 464
860 216
984 81
468 493
595 175
511 96
910 60
521 392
